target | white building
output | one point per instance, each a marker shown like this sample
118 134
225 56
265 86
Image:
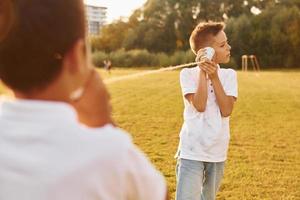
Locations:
96 17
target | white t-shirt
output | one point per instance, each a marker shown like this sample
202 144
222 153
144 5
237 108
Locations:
45 154
205 135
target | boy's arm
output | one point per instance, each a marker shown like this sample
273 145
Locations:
225 102
199 98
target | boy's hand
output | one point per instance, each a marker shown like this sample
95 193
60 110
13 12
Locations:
201 58
210 68
93 107
206 65
200 55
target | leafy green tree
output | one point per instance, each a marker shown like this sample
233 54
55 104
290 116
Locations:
165 26
274 36
111 37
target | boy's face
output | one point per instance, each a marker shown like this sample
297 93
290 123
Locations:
222 48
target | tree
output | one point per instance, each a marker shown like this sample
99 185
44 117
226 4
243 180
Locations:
165 26
111 37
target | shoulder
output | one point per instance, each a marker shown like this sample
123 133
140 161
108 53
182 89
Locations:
188 71
183 71
228 73
228 70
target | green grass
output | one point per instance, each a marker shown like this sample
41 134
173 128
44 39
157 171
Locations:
263 161
264 153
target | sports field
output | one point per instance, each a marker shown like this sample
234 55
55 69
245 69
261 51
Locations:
264 155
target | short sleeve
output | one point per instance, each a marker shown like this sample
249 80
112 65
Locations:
143 180
231 86
188 85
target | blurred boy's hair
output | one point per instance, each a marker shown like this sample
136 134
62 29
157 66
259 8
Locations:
34 37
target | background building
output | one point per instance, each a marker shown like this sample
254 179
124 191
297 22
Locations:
95 16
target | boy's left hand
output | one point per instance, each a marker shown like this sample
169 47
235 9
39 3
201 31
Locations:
210 68
93 107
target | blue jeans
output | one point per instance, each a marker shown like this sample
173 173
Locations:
198 180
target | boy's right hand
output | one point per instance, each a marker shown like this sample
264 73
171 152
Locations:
93 107
200 57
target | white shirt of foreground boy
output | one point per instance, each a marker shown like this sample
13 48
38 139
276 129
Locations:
45 155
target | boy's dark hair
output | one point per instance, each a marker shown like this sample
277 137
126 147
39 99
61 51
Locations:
200 36
34 37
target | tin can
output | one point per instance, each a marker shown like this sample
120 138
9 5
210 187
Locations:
209 52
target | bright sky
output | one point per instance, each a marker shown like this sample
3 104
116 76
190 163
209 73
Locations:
117 8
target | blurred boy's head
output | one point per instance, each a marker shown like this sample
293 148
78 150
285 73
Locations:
211 34
38 38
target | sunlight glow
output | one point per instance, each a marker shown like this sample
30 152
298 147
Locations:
117 8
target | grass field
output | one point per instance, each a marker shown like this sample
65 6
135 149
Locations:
264 155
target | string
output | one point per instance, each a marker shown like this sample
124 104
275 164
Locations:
131 76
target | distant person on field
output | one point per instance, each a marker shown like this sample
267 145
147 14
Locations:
107 65
57 141
209 93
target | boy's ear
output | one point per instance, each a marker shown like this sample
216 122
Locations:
75 59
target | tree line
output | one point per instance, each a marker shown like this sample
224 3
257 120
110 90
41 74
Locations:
269 29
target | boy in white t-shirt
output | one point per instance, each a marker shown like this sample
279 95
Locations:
209 93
